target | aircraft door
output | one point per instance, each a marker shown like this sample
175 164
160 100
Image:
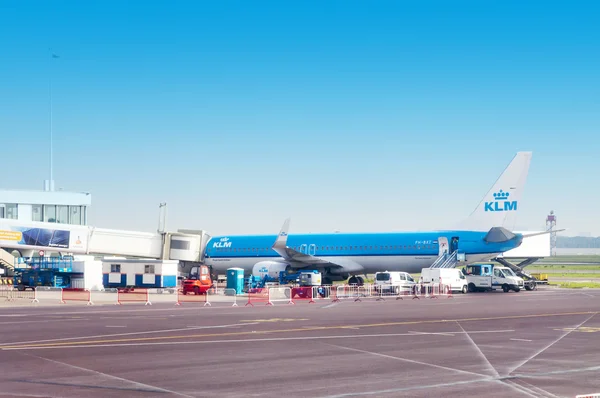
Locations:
453 244
443 245
312 249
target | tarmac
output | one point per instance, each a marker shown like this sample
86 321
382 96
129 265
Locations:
543 343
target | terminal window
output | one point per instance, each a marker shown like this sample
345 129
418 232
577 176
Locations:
115 268
149 269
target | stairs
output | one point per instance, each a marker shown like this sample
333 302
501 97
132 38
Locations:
7 260
445 261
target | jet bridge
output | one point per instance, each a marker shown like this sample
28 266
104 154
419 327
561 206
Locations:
30 237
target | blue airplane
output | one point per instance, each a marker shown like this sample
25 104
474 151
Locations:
339 256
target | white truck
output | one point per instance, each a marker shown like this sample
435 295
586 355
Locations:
393 282
482 277
452 277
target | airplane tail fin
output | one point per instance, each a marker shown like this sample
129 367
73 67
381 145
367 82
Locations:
500 205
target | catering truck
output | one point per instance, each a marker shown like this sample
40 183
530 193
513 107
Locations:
489 276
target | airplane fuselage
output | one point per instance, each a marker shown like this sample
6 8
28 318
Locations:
363 252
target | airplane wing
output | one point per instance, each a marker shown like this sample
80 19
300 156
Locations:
303 260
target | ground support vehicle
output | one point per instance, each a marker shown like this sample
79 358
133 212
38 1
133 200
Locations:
489 276
198 281
450 278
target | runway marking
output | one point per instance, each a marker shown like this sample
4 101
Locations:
45 321
270 339
519 388
452 334
135 383
549 345
530 388
273 320
129 334
406 360
11 345
522 340
115 326
583 329
481 354
456 383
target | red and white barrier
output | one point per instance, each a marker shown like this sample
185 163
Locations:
219 294
133 296
74 294
302 293
280 294
192 298
12 295
258 295
397 292
447 290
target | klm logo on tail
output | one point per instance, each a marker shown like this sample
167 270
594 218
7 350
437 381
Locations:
501 203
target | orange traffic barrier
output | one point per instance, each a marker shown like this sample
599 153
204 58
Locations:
74 294
259 295
133 296
192 298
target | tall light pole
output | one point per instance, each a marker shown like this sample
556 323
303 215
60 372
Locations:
162 217
49 186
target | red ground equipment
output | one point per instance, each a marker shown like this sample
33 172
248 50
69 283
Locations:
198 281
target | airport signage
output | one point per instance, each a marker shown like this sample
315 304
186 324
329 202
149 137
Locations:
43 236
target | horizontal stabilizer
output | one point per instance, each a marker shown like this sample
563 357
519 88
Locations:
499 234
544 233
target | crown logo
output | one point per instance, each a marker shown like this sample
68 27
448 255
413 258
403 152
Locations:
501 195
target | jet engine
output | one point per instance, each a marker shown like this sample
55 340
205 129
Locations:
270 268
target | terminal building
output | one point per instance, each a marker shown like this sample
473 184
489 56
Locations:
45 206
45 237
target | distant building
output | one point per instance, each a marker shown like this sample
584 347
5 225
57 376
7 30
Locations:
45 206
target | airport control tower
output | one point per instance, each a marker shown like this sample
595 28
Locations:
550 225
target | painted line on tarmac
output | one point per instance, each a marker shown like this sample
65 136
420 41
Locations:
46 321
131 333
529 341
137 384
23 344
522 363
437 333
268 340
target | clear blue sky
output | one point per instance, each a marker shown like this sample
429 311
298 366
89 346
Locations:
356 116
